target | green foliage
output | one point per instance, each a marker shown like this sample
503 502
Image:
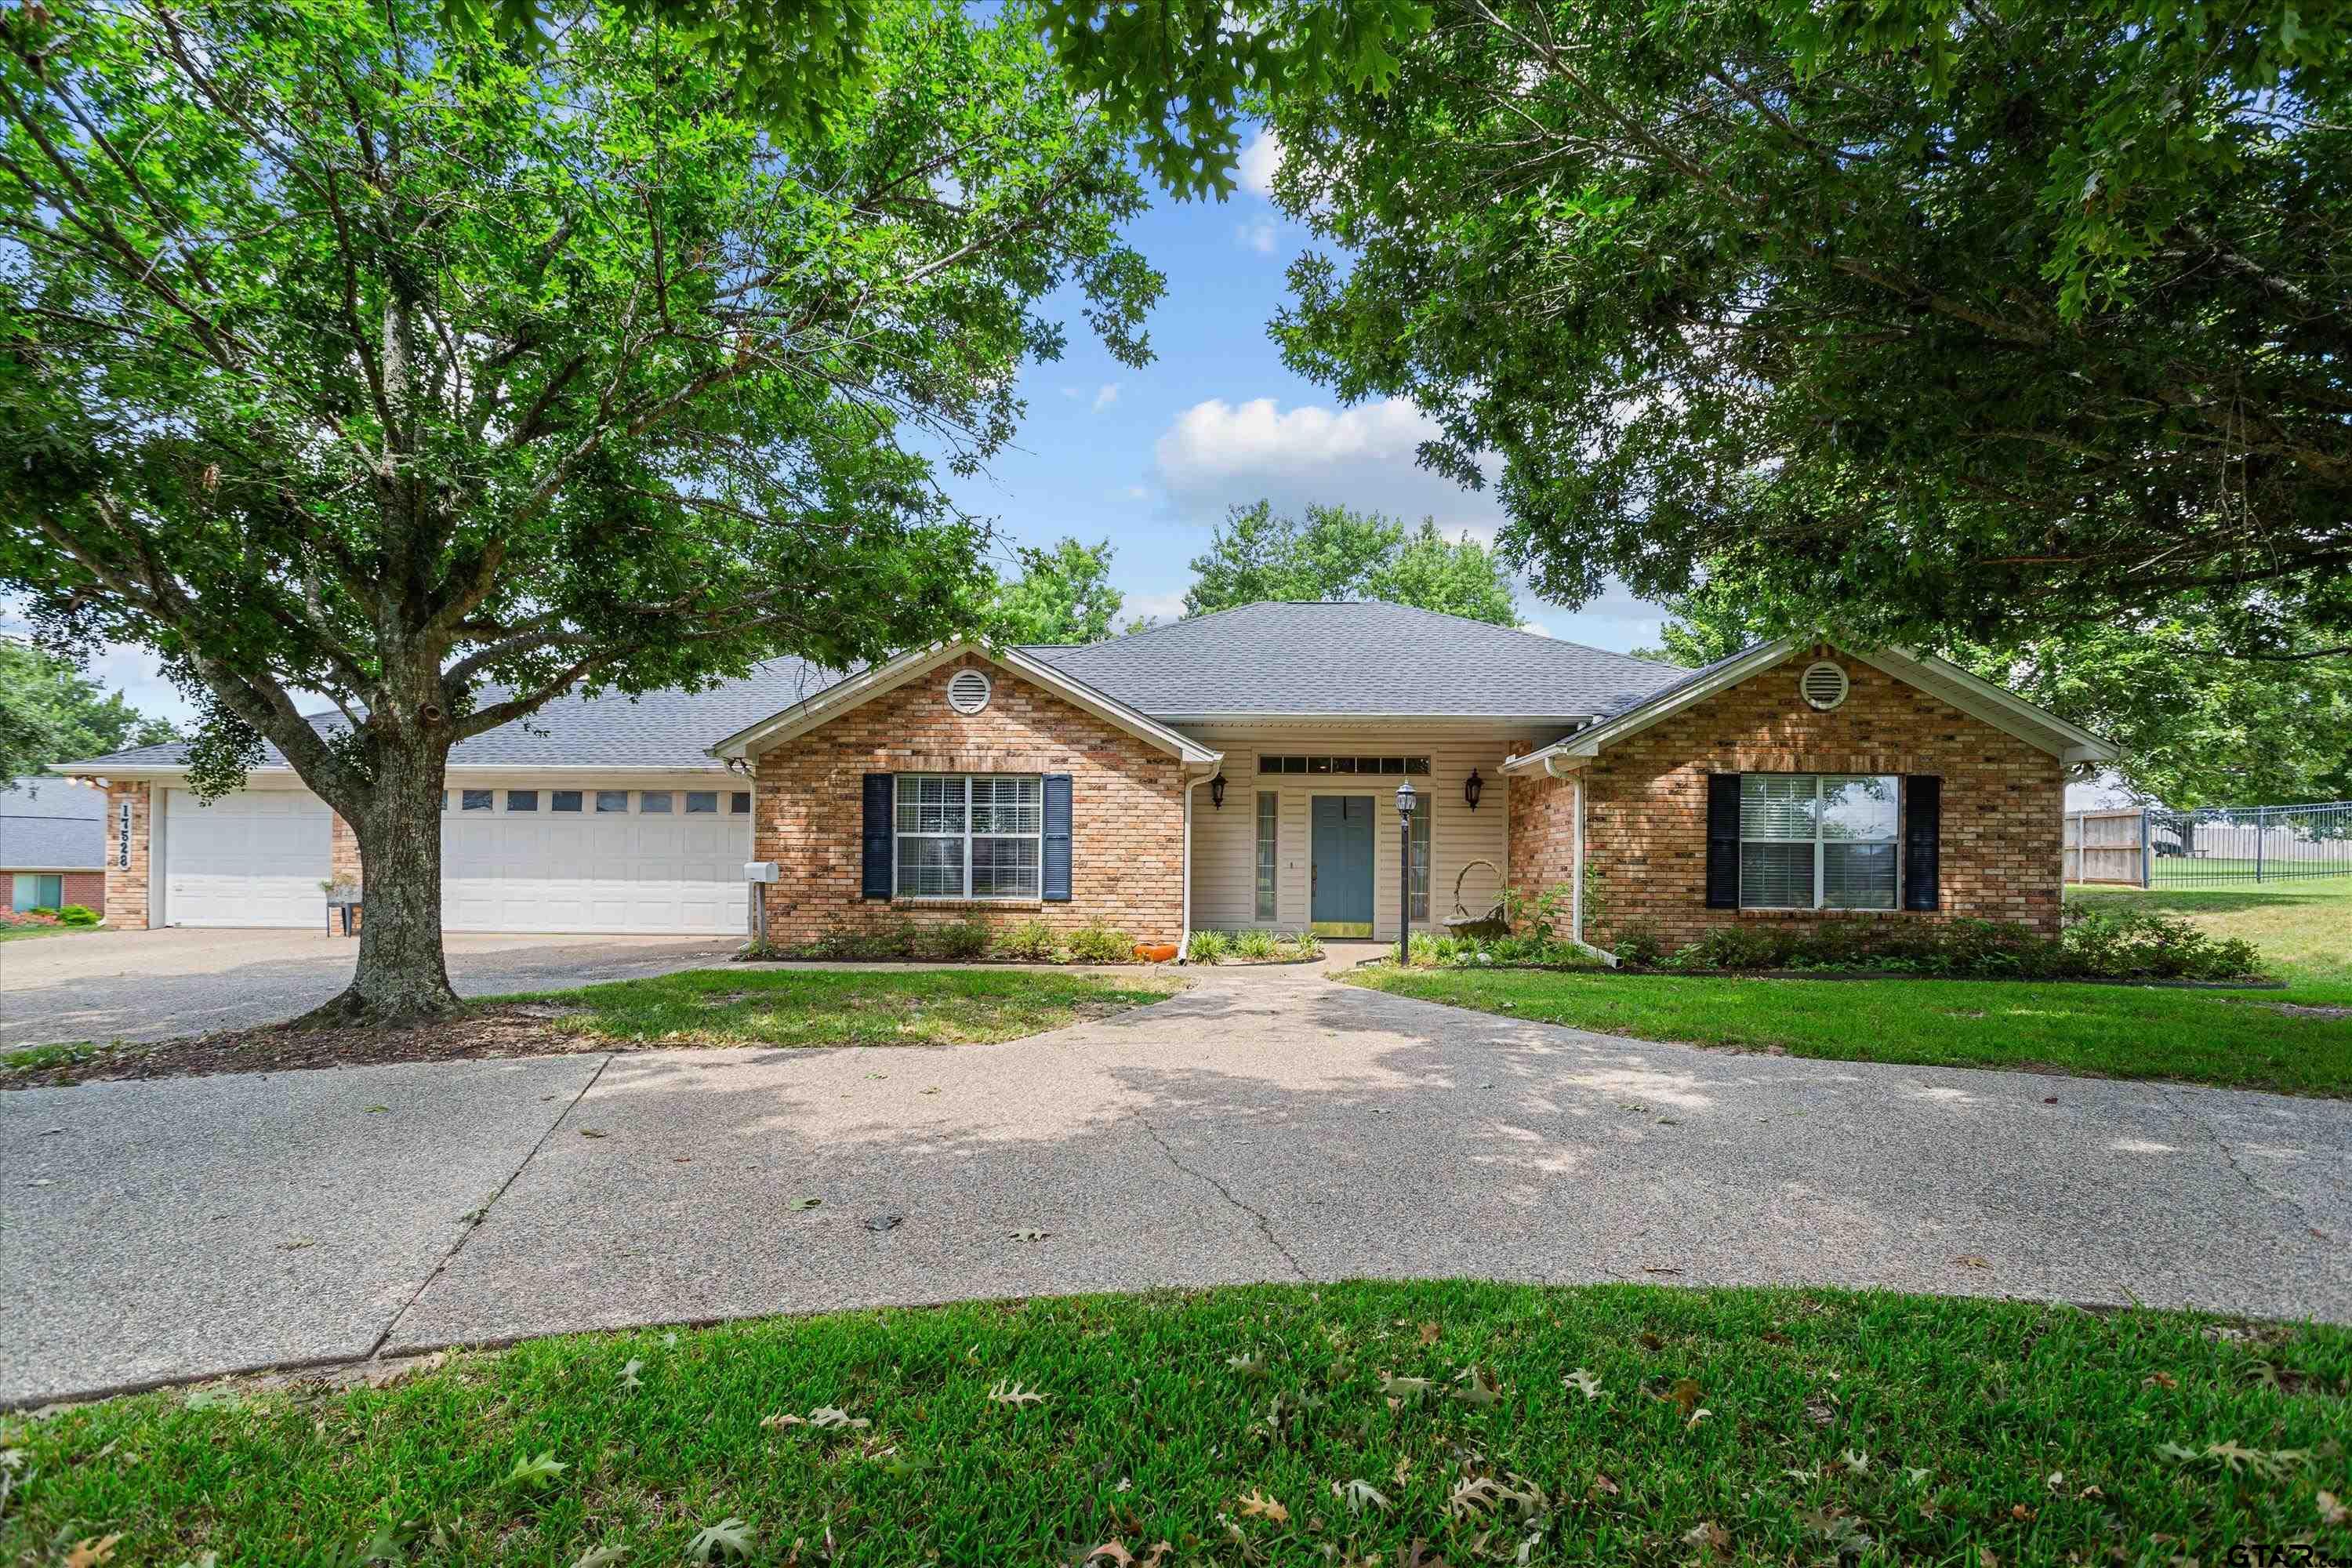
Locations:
958 941
344 349
1031 941
1254 946
1209 947
1305 944
1334 552
1098 944
1983 320
1062 595
2101 943
51 713
78 915
1924 1423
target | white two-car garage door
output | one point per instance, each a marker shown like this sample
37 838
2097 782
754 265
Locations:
579 868
252 858
512 860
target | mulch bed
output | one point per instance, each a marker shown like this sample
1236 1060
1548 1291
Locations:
514 1030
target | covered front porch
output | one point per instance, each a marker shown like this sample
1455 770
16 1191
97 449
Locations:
1308 836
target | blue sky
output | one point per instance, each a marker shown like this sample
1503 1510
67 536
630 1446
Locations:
1151 458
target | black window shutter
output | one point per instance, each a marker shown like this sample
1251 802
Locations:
880 799
1057 838
1722 841
1923 832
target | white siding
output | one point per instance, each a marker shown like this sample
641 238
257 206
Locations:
1225 842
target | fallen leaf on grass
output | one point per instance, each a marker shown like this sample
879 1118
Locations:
1685 1394
1478 1388
2159 1380
2331 1511
600 1557
1429 1334
1111 1551
1603 1484
91 1550
1358 1495
1708 1536
536 1475
729 1538
1010 1393
1159 1554
629 1378
1258 1505
829 1416
1584 1382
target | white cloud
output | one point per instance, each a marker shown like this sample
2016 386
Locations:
1151 608
1219 453
1106 394
1260 161
1136 492
1256 234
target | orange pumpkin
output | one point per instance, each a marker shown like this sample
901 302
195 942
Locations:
1155 952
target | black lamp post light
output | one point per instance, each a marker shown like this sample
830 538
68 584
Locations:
1406 800
1471 788
1217 791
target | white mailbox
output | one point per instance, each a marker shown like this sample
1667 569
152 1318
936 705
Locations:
760 870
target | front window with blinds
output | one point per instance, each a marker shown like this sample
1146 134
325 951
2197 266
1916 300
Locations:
1817 841
969 836
1269 835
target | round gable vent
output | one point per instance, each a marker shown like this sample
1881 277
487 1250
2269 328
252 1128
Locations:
968 691
1824 685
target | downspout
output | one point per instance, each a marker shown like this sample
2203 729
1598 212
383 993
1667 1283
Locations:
1184 938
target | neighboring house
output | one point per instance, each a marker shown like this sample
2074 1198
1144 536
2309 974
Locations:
1232 770
52 844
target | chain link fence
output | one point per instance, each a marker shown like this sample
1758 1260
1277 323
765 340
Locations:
2211 847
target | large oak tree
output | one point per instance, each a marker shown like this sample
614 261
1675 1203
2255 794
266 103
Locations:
1984 318
345 350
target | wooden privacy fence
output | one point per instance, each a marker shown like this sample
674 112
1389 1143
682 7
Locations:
2105 847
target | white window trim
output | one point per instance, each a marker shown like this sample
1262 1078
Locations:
1037 845
1821 881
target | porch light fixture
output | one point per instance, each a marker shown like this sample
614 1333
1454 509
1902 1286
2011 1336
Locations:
1217 791
1471 788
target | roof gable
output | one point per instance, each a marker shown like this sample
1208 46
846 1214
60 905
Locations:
845 696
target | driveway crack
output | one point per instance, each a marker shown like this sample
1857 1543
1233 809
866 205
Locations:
2206 1125
481 1215
1265 1225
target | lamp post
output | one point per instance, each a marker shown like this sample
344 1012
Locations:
1406 801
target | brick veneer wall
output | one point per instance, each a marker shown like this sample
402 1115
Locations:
1645 802
1127 812
343 851
1541 848
126 886
87 888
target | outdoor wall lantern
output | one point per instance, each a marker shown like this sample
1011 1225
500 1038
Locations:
1217 791
1471 788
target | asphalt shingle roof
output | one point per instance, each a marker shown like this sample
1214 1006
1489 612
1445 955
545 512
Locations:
52 823
1357 656
658 729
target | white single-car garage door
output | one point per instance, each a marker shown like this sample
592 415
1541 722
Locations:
252 858
595 860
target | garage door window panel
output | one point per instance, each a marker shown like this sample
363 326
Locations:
564 800
699 802
522 800
655 802
609 801
966 836
475 799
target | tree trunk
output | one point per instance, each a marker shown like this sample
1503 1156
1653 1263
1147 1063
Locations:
401 977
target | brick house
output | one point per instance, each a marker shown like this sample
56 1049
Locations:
52 844
1233 771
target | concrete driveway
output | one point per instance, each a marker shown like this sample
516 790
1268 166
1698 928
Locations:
151 985
1262 1125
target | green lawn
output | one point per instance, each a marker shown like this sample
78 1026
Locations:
847 1008
1344 1425
28 932
2243 1039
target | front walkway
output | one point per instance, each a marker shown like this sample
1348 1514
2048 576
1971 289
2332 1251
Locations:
1266 1124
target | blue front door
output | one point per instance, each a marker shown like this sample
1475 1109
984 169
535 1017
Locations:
1341 849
